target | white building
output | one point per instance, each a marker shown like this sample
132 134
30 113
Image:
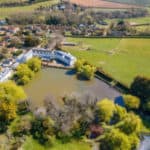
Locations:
5 74
42 53
64 57
45 54
24 57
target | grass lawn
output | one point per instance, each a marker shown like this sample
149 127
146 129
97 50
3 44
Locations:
6 11
32 144
138 20
122 58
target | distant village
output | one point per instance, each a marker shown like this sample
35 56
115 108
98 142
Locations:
18 45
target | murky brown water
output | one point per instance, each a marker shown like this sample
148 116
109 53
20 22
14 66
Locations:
58 82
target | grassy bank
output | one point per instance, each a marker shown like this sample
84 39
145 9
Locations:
122 58
74 145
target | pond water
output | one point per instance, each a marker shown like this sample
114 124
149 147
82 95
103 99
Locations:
57 82
145 144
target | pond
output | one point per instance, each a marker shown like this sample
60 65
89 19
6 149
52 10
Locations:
145 144
57 82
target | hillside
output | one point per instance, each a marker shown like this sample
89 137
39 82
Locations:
136 2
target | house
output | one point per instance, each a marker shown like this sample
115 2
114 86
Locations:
3 22
7 62
42 53
64 57
13 30
5 74
58 55
24 57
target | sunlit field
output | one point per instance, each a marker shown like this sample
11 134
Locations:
122 58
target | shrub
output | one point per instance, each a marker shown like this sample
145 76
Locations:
106 109
115 140
131 102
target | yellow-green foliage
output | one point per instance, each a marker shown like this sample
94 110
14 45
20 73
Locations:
130 124
34 64
23 74
115 140
106 109
10 94
131 102
84 69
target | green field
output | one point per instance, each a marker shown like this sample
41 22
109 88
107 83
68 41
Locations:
7 11
139 20
12 1
122 58
32 144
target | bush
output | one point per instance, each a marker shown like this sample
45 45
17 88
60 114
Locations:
115 140
84 69
141 87
130 124
146 106
34 64
21 126
106 109
131 102
42 129
23 74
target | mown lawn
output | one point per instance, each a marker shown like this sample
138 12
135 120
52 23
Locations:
32 144
7 11
122 58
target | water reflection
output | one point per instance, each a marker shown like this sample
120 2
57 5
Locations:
58 82
145 144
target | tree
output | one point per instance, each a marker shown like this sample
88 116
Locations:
11 92
130 124
84 69
21 126
115 140
134 141
146 106
106 109
7 110
88 72
42 129
140 87
34 64
10 95
31 41
131 102
119 114
23 74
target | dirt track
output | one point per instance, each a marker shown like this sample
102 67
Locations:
101 4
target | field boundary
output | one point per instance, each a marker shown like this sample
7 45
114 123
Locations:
100 74
82 36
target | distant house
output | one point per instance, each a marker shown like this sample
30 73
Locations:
13 29
7 63
3 22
